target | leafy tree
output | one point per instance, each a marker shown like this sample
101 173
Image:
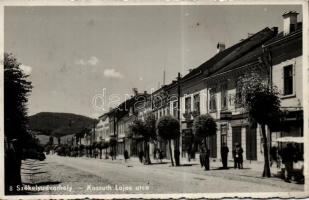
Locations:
138 129
204 126
263 104
16 91
168 129
147 130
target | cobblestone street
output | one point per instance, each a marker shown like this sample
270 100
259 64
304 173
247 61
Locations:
95 176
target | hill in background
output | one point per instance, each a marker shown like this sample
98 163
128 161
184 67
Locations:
59 124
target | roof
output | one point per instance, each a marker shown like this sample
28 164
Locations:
280 35
229 55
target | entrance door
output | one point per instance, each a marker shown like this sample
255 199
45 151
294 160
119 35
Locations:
251 153
236 135
212 145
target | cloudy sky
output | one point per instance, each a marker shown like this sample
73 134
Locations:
73 53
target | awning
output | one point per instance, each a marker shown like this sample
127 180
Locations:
291 139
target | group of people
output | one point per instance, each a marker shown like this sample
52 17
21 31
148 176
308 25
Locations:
237 156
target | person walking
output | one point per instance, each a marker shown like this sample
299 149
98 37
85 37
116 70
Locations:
224 155
126 155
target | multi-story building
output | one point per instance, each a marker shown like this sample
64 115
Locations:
102 132
212 88
284 54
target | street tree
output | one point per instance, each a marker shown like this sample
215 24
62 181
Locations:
16 91
138 130
168 129
204 126
263 105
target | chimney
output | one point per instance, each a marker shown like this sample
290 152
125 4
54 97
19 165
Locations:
250 34
145 92
275 30
220 47
135 91
289 22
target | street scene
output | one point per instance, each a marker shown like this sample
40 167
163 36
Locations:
182 99
132 177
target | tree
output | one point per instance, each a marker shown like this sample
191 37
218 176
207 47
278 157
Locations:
147 130
168 129
138 130
204 126
16 91
263 105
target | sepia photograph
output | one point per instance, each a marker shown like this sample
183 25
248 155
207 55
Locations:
162 99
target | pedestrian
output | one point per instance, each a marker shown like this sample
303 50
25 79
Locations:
126 155
141 156
239 152
160 155
204 158
288 154
234 156
95 152
112 154
224 155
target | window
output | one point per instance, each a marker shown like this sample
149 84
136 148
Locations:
196 103
223 134
175 108
224 96
213 100
238 97
288 80
188 105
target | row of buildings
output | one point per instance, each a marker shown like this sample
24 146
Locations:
212 87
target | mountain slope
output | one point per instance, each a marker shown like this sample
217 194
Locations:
59 124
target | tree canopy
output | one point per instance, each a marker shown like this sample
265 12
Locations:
150 125
260 100
168 127
204 125
138 128
16 92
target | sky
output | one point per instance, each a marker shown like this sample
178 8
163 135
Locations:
77 54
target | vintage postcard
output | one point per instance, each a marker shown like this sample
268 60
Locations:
154 99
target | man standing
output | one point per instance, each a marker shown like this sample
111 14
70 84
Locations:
287 159
224 155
